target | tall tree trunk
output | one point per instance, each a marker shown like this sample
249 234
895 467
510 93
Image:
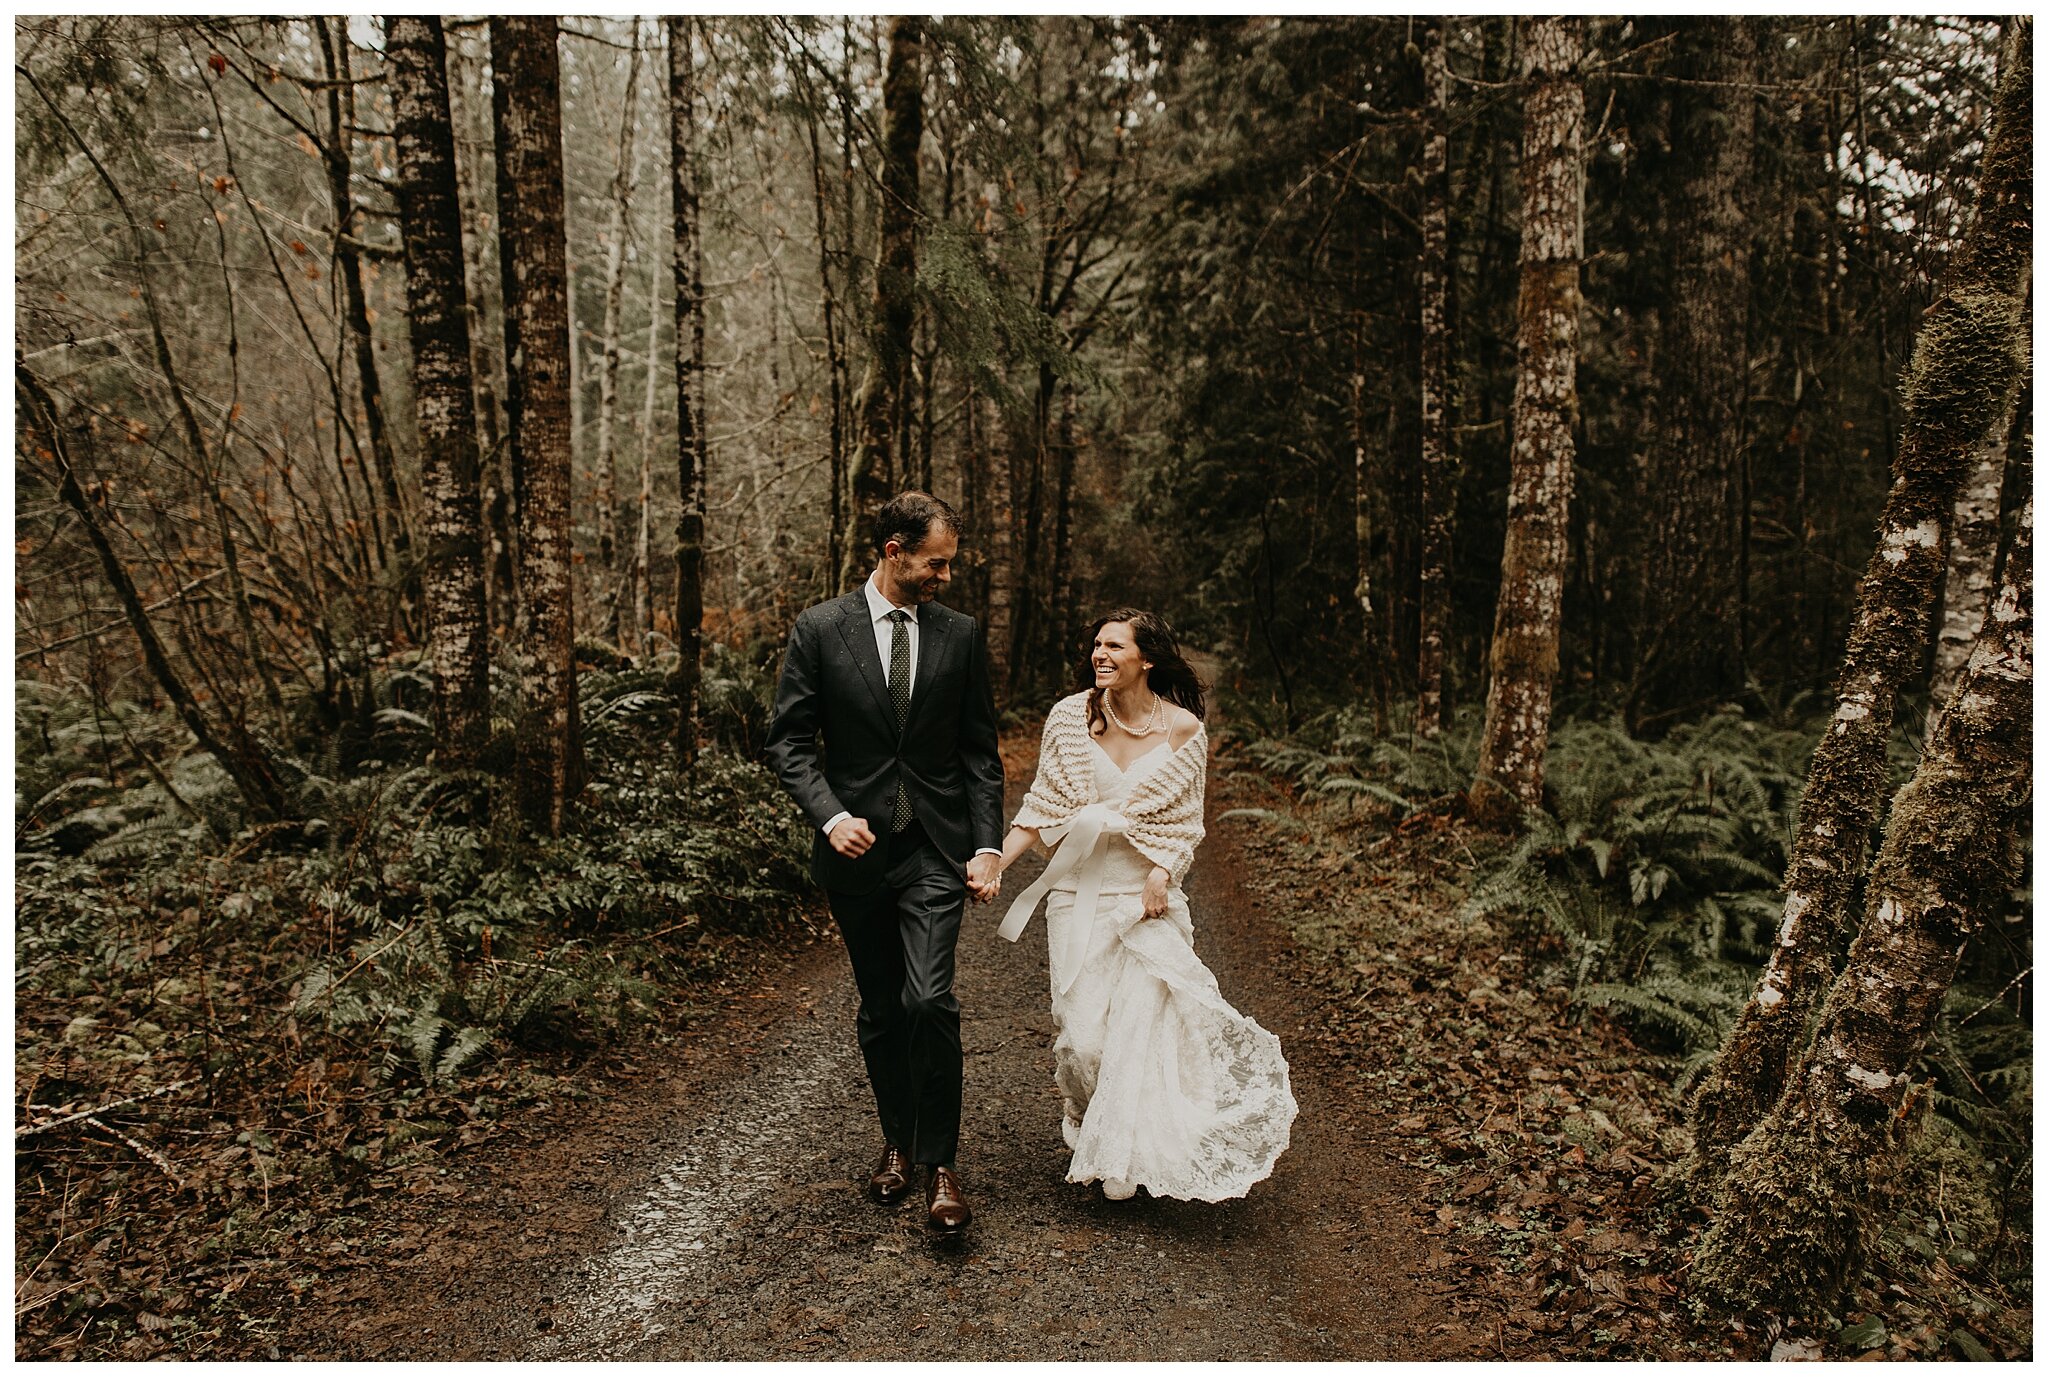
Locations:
993 452
643 539
1691 655
486 329
1528 615
1368 504
882 410
341 114
1028 455
528 113
1972 551
835 361
1804 1192
608 369
1439 460
690 449
1060 588
1964 366
430 214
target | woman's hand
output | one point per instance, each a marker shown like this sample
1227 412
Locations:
1155 892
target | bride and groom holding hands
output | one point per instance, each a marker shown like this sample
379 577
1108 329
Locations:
884 732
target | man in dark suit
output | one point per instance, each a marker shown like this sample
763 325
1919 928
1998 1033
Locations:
885 734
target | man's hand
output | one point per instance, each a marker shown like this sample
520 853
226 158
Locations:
851 838
985 877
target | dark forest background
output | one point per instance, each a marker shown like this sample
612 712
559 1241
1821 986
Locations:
1148 301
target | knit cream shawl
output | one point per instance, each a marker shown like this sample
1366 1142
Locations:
1163 811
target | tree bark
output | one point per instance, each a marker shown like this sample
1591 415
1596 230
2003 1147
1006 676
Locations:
430 213
835 361
341 114
1964 366
1690 655
1527 617
1439 460
690 448
883 407
608 369
994 454
1972 551
643 537
1804 1191
528 115
486 331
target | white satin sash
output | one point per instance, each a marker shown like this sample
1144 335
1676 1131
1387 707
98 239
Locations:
1081 844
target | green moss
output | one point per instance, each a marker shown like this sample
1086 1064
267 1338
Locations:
1789 1221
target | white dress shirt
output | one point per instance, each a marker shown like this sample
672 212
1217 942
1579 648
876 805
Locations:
879 609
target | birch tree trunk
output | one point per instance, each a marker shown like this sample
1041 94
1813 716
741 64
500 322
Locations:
1972 551
1802 1191
690 450
1691 652
528 112
1439 461
1964 365
608 368
884 403
1526 619
437 307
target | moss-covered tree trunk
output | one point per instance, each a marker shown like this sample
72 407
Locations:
884 400
688 264
528 115
1439 459
1802 1192
458 633
1527 616
1964 364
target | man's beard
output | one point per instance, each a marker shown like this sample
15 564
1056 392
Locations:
916 592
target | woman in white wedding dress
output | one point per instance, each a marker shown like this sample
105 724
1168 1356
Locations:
1166 1086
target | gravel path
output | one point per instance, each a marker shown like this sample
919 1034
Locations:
714 1209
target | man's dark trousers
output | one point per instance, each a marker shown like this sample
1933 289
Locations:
900 939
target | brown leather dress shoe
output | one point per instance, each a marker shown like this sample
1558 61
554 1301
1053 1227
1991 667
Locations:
945 1207
890 1181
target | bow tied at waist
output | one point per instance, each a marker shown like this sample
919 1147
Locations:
1082 846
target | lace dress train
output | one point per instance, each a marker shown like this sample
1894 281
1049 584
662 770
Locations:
1166 1086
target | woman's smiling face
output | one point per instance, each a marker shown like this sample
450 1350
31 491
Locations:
1119 664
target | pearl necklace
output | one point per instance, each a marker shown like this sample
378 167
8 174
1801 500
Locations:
1158 714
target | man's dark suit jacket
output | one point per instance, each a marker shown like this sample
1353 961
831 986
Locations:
835 745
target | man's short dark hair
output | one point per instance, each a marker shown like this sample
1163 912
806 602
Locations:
907 519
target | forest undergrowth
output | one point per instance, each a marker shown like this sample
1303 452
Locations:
231 1039
1533 1008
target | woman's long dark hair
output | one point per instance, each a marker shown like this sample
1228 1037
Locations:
1171 677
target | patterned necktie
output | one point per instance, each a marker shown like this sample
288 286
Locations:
899 696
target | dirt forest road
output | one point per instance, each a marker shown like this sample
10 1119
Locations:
714 1209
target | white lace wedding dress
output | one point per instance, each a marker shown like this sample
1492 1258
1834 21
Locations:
1166 1085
